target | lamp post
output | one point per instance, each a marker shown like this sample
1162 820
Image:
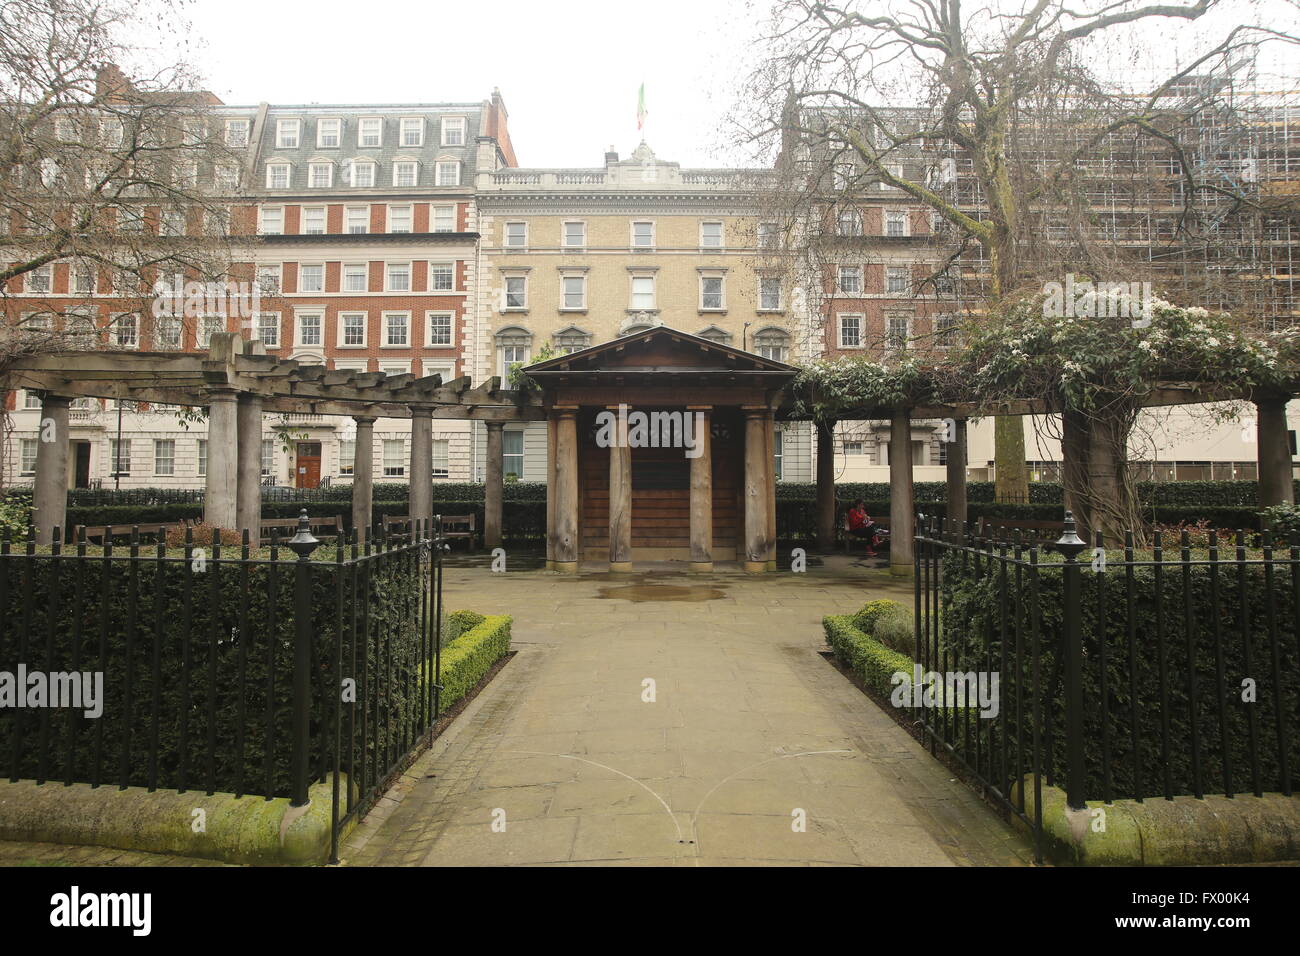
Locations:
302 544
1071 546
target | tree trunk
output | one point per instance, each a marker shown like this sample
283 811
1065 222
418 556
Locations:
1074 465
1114 502
1011 476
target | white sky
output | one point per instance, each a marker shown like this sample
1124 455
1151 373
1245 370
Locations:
569 69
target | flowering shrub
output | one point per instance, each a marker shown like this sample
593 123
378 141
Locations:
828 387
1198 535
1087 362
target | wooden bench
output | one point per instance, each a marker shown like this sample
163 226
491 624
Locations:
154 529
1004 529
849 539
453 526
332 526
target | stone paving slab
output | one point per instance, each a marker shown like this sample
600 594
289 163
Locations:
753 751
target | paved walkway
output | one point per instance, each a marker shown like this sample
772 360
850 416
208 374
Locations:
747 748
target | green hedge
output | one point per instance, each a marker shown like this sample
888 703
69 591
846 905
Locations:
234 625
483 642
872 661
1225 504
973 600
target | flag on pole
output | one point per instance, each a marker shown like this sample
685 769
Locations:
640 109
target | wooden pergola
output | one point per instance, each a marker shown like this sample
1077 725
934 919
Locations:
660 368
237 382
1273 450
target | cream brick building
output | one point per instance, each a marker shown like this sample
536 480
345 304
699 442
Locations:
574 257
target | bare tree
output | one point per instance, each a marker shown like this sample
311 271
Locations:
125 182
986 117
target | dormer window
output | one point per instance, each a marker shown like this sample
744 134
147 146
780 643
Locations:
236 133
453 131
278 175
362 174
370 131
287 132
448 173
406 173
412 130
320 175
329 133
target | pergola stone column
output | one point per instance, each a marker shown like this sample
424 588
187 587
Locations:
248 497
421 497
50 496
363 476
701 521
758 470
1274 451
902 516
620 496
825 485
494 487
957 510
566 489
221 487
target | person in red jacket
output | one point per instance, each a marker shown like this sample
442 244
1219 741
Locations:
861 526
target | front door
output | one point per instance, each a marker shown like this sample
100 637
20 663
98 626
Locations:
308 474
81 477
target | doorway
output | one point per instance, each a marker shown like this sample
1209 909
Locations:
308 465
81 465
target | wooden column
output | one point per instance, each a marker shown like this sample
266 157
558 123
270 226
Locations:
248 497
50 496
1274 452
566 482
363 476
620 495
757 488
702 491
421 464
551 432
957 510
494 488
220 496
825 486
902 509
769 435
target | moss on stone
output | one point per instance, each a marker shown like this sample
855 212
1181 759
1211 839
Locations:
247 829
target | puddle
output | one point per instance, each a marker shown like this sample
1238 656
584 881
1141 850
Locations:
647 593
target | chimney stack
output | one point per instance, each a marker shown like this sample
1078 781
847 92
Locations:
611 156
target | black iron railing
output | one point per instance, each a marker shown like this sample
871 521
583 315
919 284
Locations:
225 667
1122 672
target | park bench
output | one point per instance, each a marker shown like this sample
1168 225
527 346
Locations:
1031 529
153 529
453 526
850 540
287 527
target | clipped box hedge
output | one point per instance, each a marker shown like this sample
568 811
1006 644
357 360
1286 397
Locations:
870 660
483 640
